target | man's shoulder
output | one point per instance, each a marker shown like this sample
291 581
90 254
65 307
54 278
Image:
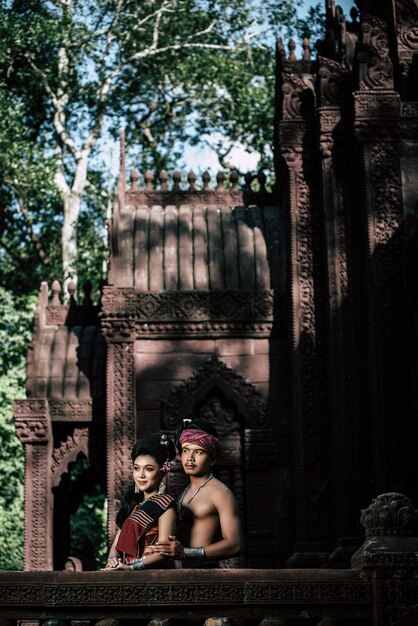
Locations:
218 487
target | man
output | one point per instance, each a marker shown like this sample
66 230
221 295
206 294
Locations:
208 524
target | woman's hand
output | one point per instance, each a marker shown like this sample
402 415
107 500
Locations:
112 562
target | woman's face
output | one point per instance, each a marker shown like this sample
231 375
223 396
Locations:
146 474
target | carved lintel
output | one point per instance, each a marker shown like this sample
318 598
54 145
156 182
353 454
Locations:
70 410
149 314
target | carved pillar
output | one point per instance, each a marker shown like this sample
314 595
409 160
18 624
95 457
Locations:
33 427
344 264
389 559
377 127
120 411
307 283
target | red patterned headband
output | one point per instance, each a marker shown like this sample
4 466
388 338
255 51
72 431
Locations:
207 442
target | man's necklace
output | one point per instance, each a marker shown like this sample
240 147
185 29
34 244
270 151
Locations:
180 500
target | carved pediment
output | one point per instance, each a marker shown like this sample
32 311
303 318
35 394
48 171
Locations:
216 389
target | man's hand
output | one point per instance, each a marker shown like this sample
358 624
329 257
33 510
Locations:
171 548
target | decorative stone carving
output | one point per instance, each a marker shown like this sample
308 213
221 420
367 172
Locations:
119 330
335 83
375 33
38 501
120 430
406 27
70 410
68 452
33 431
375 71
389 514
298 97
214 374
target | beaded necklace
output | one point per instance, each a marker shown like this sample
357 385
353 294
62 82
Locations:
180 499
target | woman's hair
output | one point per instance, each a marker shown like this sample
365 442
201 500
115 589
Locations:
163 450
198 423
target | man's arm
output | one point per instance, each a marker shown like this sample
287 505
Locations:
231 542
227 547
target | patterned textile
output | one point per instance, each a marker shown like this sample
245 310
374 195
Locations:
141 527
200 438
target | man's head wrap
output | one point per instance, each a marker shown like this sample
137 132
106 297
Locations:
207 442
199 431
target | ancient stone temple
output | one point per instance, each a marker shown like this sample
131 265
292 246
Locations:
283 314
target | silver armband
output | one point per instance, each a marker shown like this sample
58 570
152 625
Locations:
138 564
194 553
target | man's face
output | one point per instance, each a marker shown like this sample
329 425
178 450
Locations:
195 460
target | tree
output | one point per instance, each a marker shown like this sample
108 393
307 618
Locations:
70 69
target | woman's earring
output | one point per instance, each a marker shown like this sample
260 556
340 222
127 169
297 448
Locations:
136 488
161 488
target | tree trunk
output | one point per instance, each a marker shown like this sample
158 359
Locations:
72 204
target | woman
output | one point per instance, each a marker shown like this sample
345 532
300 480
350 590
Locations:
147 514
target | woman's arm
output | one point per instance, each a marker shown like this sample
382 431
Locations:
112 558
166 527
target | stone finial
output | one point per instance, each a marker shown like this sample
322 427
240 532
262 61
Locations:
248 180
306 45
134 177
292 46
191 179
176 180
280 50
163 178
220 178
149 181
56 290
262 179
233 179
72 288
389 514
206 180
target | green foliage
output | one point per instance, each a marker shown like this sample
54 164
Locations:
88 524
16 320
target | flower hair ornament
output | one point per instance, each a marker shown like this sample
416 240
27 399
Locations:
166 466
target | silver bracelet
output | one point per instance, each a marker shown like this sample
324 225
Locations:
194 553
138 564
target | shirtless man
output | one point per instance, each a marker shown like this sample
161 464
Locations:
208 523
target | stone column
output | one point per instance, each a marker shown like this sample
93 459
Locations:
346 337
33 427
377 128
297 135
120 411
